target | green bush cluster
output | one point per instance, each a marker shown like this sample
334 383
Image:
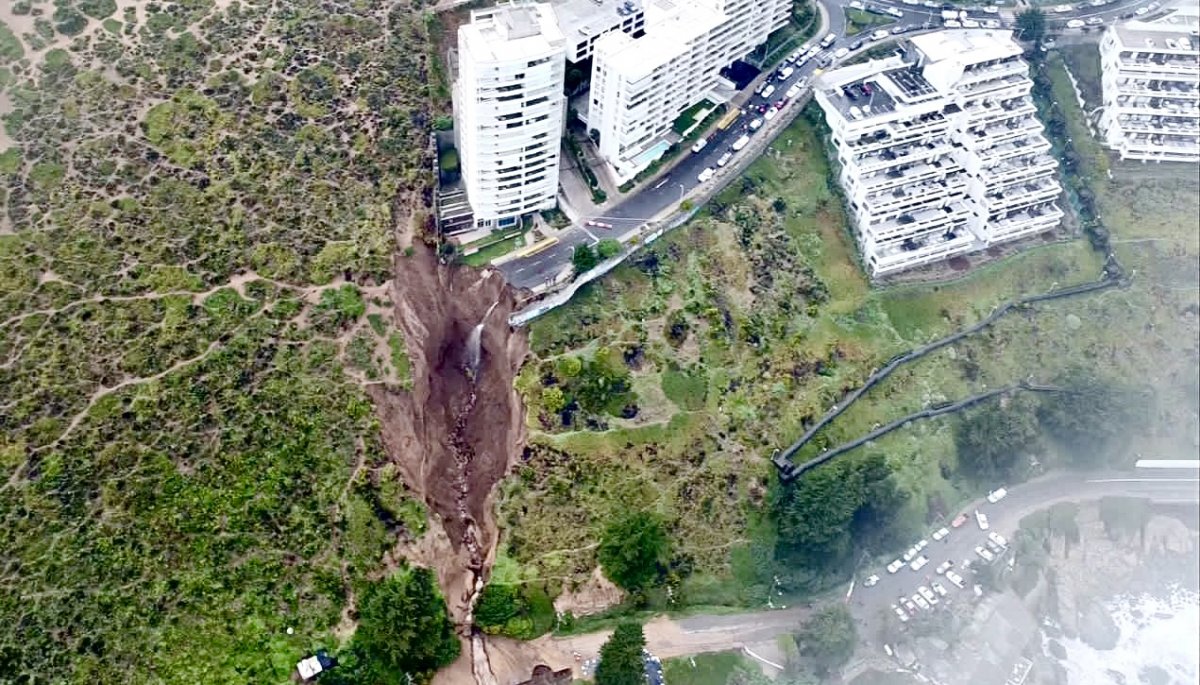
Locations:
522 611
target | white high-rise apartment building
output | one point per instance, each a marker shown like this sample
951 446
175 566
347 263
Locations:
508 110
640 86
1152 87
941 152
583 22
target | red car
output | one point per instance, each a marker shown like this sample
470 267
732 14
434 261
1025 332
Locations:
958 520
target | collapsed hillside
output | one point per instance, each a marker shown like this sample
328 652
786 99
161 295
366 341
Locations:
455 435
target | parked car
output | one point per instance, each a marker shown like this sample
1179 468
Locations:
928 595
871 581
708 173
794 90
756 124
767 92
700 145
1094 21
919 563
895 12
958 521
956 579
908 604
856 45
921 544
895 566
1059 9
897 30
991 9
990 23
841 52
940 534
997 495
879 34
1075 24
952 24
939 589
944 566
900 614
921 602
909 554
969 24
985 555
998 539
786 73
724 159
770 113
981 519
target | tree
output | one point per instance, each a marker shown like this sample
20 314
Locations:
403 627
583 258
992 439
496 604
609 247
632 550
621 657
553 399
1093 418
828 638
1031 25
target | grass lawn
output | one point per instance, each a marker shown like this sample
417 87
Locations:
858 21
707 669
755 318
497 249
688 118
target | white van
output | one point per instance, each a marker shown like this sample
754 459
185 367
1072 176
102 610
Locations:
724 159
741 143
706 174
829 40
700 145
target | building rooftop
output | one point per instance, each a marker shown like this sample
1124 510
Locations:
579 19
511 31
1177 31
969 46
669 27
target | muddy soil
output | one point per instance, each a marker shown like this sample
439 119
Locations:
456 434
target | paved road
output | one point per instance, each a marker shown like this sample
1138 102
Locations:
666 193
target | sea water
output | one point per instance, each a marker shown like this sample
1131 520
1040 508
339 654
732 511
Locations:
1157 631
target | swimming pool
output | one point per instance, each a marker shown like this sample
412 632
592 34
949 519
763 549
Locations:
652 154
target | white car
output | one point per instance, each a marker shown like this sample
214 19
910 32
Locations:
871 581
939 588
879 34
969 24
771 113
738 145
786 73
908 604
944 566
919 563
997 495
1075 24
956 579
996 549
913 3
724 159
768 91
981 519
998 539
920 601
928 595
921 544
1094 21
985 555
708 173
940 534
793 91
1062 8
700 144
895 12
841 52
1098 3
895 566
900 614
991 23
1141 10
992 9
856 5
909 554
756 124
952 24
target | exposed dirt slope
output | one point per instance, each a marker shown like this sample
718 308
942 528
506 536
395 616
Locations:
452 436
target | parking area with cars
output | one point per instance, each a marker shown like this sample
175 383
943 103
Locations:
938 569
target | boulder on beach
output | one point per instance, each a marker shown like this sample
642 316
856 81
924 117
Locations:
1097 628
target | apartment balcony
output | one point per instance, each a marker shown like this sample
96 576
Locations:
1007 86
1015 197
907 254
978 115
1023 223
1156 88
903 176
1172 66
913 197
1162 125
1019 169
1157 106
919 223
1023 146
995 134
974 75
898 155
